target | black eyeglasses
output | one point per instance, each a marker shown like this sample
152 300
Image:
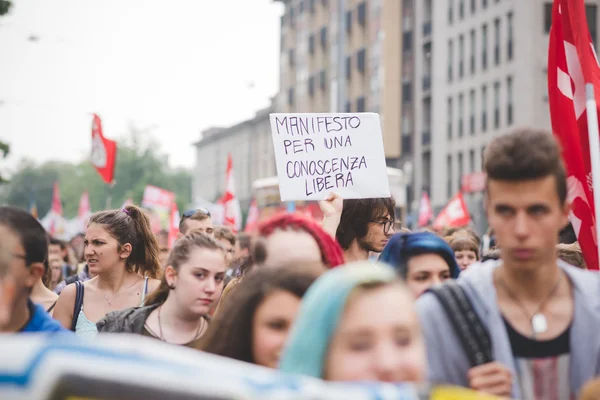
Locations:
386 224
193 211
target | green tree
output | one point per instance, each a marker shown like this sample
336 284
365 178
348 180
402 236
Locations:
5 6
138 165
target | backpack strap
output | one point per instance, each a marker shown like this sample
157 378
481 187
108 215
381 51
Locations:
78 304
469 328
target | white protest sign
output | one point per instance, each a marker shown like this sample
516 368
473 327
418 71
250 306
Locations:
317 154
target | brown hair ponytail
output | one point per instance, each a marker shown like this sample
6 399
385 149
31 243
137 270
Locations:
131 225
180 254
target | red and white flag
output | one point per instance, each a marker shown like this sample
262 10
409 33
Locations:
54 222
572 63
84 206
173 224
104 152
252 219
232 212
455 214
425 210
56 202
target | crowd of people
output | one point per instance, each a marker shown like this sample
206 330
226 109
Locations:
354 297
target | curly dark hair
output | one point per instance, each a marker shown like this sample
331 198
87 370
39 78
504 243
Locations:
356 215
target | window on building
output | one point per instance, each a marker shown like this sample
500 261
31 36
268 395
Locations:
323 80
484 106
348 107
311 44
311 6
407 41
290 97
450 57
362 13
349 21
360 104
461 111
461 168
292 17
348 67
509 44
472 112
461 56
484 43
360 60
473 51
509 100
300 7
325 3
450 11
449 189
472 166
484 3
311 86
473 6
497 41
324 38
291 58
496 105
406 92
547 16
591 13
461 9
450 117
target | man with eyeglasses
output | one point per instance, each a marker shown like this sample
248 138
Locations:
27 245
364 226
197 219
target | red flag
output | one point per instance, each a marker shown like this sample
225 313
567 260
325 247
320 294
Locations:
104 152
425 211
232 216
173 224
56 203
455 214
572 63
252 219
84 206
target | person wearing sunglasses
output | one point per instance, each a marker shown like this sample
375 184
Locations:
197 219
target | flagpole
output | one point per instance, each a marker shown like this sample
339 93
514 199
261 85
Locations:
594 141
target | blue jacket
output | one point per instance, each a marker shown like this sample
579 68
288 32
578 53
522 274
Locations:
41 321
446 359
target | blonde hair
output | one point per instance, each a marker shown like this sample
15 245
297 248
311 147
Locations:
571 254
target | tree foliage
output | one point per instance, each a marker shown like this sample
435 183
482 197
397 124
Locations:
137 165
5 6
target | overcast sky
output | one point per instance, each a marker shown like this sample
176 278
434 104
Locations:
179 66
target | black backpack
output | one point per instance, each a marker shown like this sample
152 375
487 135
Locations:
471 332
78 304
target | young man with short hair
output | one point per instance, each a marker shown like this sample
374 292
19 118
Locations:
361 226
28 250
542 315
196 220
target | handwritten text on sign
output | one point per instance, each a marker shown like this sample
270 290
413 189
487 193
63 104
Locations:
318 154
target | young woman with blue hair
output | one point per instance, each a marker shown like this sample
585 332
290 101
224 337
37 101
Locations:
422 259
357 323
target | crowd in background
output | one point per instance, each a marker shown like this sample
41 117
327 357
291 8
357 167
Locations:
354 297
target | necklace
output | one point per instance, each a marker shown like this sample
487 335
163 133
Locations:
160 331
109 301
538 321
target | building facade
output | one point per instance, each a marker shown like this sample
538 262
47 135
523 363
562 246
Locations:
472 70
312 67
251 148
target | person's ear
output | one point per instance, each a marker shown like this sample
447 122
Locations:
125 250
35 271
170 276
